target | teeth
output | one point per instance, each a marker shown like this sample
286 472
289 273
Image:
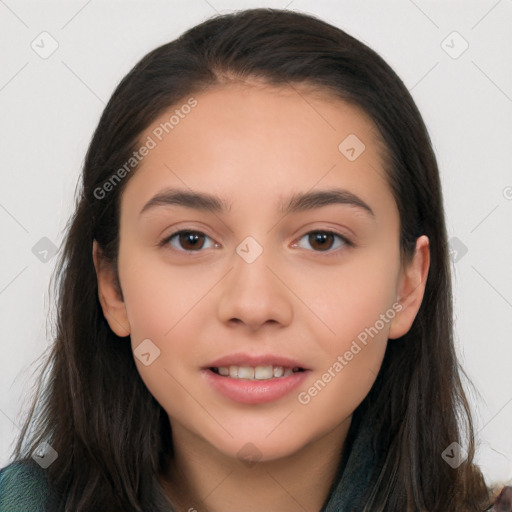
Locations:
278 371
255 373
245 372
263 372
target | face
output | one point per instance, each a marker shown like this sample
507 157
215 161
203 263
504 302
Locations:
266 281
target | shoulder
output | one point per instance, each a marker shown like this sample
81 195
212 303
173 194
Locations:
502 501
23 487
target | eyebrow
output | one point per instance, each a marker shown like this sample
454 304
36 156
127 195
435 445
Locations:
298 202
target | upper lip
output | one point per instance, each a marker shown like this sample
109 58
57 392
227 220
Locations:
240 359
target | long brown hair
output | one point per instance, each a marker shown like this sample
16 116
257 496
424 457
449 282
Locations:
112 436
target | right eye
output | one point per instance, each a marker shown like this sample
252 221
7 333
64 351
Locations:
189 240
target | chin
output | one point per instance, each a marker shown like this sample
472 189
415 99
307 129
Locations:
251 449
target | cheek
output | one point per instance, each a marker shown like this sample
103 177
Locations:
158 296
356 296
162 305
365 297
358 311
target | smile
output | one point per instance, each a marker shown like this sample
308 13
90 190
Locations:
255 372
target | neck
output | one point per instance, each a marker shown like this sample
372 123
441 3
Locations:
203 479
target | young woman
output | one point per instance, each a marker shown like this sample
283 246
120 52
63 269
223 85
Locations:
217 352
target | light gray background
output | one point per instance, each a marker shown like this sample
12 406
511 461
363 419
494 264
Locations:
50 107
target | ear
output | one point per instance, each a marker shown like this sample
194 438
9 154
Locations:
411 288
109 294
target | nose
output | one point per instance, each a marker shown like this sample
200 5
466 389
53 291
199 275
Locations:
255 294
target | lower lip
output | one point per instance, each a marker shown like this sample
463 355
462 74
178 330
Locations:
254 391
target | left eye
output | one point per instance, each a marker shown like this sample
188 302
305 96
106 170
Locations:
322 240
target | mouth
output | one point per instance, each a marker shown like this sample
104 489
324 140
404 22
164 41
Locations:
255 379
262 372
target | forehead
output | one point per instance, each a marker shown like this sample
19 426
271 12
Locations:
242 139
270 113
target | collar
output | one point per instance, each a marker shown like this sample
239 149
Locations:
354 472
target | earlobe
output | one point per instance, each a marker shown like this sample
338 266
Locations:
411 289
111 300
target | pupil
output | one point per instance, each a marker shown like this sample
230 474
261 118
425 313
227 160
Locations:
191 238
320 238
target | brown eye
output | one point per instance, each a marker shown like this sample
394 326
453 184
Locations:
192 241
324 241
321 241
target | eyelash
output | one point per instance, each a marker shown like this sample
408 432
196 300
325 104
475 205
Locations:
328 252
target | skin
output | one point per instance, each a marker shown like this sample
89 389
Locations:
244 142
